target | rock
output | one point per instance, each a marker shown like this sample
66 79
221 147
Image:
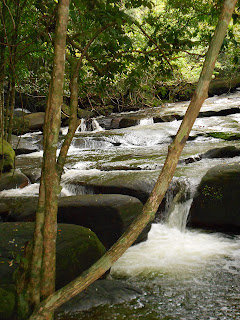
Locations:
35 120
128 122
225 152
33 175
101 292
107 215
23 146
137 184
13 179
77 249
229 136
216 204
7 156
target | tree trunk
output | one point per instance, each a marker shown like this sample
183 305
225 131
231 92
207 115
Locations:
12 104
51 135
150 208
42 268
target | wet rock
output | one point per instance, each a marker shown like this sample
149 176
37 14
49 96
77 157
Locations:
229 136
216 204
128 122
13 179
101 292
107 215
77 249
23 146
7 156
225 152
33 175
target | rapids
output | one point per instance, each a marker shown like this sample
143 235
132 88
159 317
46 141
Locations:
184 274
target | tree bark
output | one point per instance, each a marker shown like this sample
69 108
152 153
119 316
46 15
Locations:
150 208
42 273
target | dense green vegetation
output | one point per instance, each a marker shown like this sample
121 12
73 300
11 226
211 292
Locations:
133 53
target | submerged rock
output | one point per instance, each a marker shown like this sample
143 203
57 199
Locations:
101 292
216 204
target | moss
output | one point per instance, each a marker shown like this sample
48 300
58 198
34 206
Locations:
7 156
224 135
211 192
7 304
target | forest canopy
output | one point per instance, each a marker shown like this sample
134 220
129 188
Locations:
132 51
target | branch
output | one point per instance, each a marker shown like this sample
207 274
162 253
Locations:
154 42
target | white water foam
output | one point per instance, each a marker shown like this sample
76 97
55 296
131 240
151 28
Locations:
170 251
146 121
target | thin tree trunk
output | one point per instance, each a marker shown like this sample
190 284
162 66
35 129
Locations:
51 180
150 208
73 123
12 104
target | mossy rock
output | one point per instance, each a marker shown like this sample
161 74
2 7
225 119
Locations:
7 302
77 249
229 136
7 155
216 205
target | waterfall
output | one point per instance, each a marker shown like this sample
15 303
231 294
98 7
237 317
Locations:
96 126
146 121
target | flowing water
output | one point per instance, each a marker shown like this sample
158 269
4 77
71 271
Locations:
184 274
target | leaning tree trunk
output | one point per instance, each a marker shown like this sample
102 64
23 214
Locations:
150 208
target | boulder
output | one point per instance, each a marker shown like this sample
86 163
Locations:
128 122
7 156
105 214
13 179
216 204
101 292
35 120
77 249
225 152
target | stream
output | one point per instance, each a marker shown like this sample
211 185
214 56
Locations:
184 274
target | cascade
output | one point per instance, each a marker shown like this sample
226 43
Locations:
146 121
96 126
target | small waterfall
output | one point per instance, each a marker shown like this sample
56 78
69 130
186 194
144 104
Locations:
96 126
146 121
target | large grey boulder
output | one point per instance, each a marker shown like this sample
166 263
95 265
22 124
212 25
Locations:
216 204
108 215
